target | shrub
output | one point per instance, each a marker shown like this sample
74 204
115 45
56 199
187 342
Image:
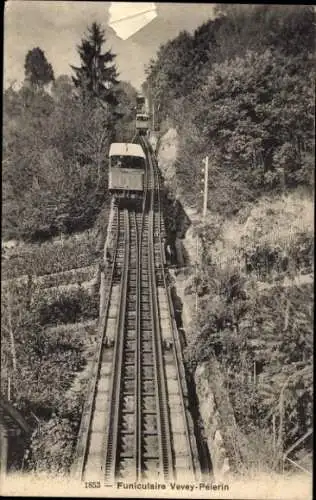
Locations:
69 308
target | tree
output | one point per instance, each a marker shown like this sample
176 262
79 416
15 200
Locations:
38 71
287 28
169 76
125 111
254 118
54 160
62 89
97 76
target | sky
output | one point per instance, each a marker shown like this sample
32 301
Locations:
58 26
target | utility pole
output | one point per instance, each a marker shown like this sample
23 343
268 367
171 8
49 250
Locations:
196 273
11 333
205 170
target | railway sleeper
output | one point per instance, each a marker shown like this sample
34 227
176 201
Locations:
130 351
147 327
147 349
129 359
148 364
152 412
130 333
150 456
128 401
146 334
150 431
124 455
149 405
145 301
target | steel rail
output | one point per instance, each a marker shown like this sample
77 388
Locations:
139 461
162 399
112 432
127 448
85 424
177 347
112 446
138 401
178 357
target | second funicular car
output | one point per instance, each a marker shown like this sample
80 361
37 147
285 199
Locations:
142 123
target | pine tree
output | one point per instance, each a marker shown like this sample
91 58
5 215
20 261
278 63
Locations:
96 77
38 71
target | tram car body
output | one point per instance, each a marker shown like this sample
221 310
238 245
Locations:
127 163
140 104
142 123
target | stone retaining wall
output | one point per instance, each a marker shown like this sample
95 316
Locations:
212 426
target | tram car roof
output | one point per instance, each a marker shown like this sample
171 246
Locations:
126 149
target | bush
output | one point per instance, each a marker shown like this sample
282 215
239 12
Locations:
69 308
52 446
57 149
49 258
46 362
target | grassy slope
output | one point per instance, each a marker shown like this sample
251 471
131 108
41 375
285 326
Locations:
50 358
284 222
272 221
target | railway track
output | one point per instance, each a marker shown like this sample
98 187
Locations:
88 461
122 447
135 423
186 464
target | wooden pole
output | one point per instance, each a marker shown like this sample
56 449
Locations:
3 452
274 432
205 161
13 353
196 272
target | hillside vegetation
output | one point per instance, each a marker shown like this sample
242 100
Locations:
56 139
240 90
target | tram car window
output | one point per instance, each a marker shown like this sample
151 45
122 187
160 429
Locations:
142 123
127 162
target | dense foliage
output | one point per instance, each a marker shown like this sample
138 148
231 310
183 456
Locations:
264 342
57 133
55 150
240 90
48 258
38 356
